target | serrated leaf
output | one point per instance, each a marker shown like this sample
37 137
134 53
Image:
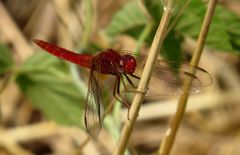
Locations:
46 82
221 35
128 18
5 59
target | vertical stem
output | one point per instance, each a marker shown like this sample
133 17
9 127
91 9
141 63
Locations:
143 84
169 138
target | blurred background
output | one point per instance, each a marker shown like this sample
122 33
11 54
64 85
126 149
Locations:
42 97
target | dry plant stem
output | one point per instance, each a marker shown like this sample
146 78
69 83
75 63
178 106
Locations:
12 34
3 85
143 84
80 148
28 133
207 101
171 132
10 138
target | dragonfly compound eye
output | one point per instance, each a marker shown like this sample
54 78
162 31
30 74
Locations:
129 64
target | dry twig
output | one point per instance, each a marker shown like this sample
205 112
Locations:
172 131
143 84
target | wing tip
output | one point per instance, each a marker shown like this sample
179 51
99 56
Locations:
93 130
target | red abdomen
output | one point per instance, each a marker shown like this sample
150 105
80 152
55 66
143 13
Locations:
80 59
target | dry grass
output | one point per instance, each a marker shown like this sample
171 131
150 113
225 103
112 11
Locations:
210 127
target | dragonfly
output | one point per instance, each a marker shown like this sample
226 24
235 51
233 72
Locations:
126 68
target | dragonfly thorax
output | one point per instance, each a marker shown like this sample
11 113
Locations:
128 64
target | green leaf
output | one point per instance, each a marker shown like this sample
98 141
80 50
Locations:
172 48
224 29
154 8
46 82
128 18
5 59
232 26
218 36
222 36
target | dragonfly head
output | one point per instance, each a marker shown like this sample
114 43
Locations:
128 64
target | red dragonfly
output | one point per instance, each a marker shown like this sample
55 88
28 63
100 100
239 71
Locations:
125 68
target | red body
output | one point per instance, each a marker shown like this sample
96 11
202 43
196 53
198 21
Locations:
123 68
80 59
106 62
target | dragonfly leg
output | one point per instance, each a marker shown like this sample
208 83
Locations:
117 95
123 99
131 83
135 76
129 80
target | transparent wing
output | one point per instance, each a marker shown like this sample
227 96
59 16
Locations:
169 81
93 106
164 71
